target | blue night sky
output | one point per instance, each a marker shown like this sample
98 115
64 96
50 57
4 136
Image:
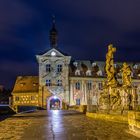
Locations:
85 28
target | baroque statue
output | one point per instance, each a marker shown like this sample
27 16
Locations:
110 70
115 97
126 75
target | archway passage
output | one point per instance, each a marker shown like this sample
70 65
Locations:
54 104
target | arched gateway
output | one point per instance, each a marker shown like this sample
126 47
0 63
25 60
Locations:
54 103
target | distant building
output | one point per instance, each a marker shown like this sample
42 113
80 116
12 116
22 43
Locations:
4 95
63 81
1 88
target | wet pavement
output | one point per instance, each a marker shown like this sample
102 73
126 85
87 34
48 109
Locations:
62 125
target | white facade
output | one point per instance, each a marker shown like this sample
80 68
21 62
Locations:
54 74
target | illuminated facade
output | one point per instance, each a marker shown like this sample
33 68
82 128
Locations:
62 81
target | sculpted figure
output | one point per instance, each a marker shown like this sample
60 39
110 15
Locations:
126 75
110 71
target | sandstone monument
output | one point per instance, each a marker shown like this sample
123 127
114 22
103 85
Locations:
118 95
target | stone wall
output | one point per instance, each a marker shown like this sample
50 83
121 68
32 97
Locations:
134 121
108 117
80 108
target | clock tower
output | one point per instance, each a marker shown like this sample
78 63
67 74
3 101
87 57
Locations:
53 75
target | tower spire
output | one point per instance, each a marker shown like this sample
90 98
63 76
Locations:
53 34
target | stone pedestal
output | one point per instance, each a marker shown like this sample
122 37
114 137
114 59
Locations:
118 99
91 108
134 121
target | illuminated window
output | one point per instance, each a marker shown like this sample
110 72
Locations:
77 86
59 68
48 82
48 68
89 85
100 85
35 84
22 84
17 98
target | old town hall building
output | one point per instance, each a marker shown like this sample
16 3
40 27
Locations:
62 81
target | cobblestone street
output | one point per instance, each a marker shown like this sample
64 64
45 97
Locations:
61 125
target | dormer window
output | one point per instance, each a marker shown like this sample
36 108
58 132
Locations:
135 66
100 73
22 84
75 64
59 68
94 64
35 84
88 73
48 68
77 72
115 65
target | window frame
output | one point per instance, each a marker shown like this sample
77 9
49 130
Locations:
48 82
59 82
77 86
59 68
89 85
48 67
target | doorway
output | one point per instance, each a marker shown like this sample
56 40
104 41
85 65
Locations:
54 103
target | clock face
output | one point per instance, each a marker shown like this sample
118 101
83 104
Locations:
53 53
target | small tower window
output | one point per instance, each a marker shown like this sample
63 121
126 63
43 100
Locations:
48 82
59 82
77 86
59 68
48 68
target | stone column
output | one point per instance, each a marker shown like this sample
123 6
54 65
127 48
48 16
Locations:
71 93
